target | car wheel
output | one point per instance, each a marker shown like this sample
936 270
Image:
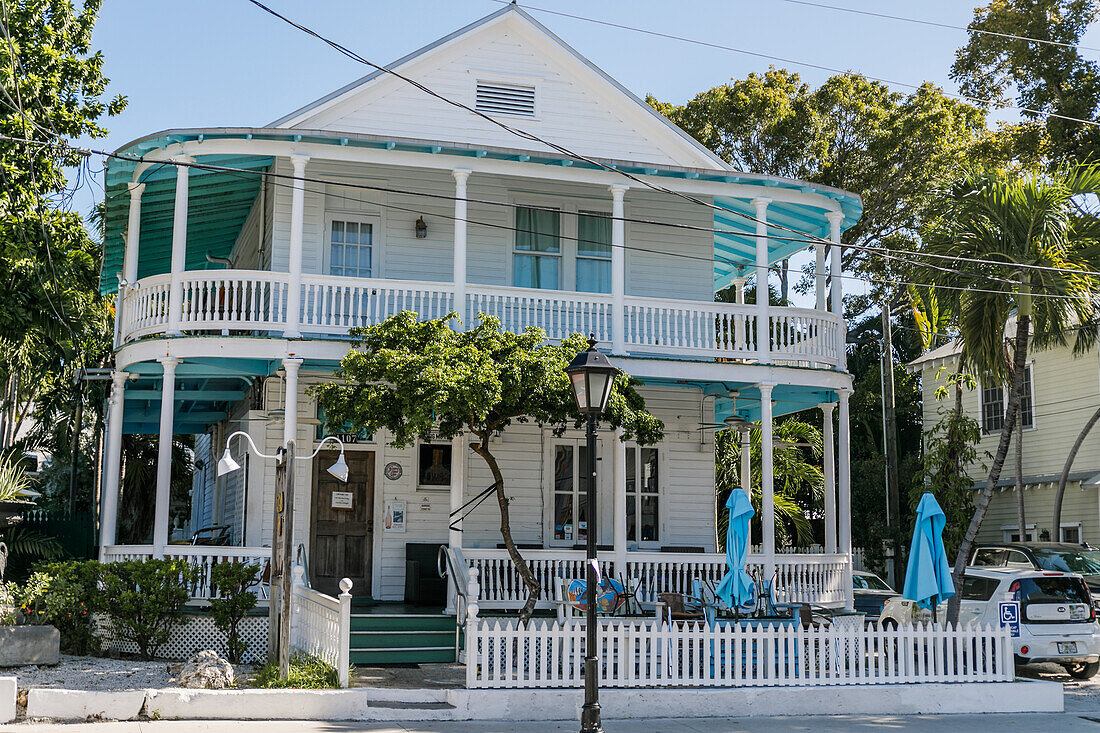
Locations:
1083 670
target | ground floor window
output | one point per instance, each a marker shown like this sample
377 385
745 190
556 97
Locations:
1011 533
1071 533
434 465
570 487
642 495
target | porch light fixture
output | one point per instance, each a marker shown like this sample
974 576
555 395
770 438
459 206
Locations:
227 464
591 376
421 228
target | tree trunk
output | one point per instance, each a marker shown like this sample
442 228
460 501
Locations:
534 590
1023 325
1064 478
1021 520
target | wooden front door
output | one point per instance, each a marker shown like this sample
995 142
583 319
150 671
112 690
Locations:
339 537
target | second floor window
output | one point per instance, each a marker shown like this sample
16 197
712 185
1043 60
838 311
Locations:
351 245
994 402
537 257
593 253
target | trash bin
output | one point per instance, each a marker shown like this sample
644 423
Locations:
412 582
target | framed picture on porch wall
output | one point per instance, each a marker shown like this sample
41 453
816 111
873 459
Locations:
394 520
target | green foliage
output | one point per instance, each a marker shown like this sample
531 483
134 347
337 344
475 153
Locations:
13 478
146 600
1043 78
8 594
950 448
32 599
28 545
306 673
71 600
799 482
137 504
232 581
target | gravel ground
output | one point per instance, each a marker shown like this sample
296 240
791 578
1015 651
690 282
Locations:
1081 695
98 673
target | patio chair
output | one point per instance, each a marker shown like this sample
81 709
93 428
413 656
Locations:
217 535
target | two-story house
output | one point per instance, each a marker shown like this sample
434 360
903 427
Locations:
242 256
1061 395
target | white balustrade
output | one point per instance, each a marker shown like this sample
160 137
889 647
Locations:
248 300
337 304
202 556
558 313
504 653
816 579
681 326
320 625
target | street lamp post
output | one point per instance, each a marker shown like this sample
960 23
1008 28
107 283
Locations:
591 375
282 544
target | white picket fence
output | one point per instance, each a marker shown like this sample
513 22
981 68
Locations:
504 653
320 625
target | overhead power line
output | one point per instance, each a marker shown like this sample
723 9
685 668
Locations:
935 24
794 62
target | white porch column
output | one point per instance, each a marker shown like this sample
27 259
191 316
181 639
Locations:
458 488
763 319
844 496
179 245
133 234
829 469
820 276
164 453
835 272
739 289
461 175
746 472
618 478
618 272
767 481
108 514
290 401
297 227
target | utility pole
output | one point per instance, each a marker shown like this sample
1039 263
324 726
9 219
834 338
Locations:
890 441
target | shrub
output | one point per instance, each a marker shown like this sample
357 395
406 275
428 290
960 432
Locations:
32 599
8 596
146 600
306 672
232 581
72 599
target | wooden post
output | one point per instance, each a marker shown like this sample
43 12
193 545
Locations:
281 557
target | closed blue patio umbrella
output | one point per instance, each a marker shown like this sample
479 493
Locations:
928 574
736 587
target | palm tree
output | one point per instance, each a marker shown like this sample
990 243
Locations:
799 482
1022 222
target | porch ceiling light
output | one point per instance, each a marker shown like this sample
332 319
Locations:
591 375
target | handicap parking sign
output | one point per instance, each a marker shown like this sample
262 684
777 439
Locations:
1010 616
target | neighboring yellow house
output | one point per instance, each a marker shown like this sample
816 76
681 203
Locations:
1064 391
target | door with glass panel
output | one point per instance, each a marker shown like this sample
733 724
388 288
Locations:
570 515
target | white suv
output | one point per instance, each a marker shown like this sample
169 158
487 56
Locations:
1057 621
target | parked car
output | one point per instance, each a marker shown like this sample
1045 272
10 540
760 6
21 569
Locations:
1057 619
871 593
1062 557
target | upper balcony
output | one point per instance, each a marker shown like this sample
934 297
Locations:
257 303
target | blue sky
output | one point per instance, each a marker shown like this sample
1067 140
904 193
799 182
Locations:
227 63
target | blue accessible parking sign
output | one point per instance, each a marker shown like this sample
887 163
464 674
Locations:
1010 616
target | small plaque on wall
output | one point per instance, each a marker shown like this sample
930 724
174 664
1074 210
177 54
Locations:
393 470
394 520
343 500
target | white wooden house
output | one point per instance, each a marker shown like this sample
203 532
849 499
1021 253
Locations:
238 278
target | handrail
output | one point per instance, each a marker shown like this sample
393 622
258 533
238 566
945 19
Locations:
451 564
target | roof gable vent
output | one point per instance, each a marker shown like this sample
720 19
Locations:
497 98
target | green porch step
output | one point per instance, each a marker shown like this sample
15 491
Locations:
402 638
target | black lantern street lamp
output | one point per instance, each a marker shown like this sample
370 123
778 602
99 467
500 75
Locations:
591 375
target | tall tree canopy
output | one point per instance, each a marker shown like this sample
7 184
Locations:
425 380
1042 77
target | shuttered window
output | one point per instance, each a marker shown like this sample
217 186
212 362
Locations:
496 98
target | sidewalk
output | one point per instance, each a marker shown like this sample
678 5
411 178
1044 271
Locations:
933 724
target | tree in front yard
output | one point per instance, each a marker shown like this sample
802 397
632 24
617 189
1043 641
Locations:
426 380
1044 231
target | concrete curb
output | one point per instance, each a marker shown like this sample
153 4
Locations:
9 688
385 704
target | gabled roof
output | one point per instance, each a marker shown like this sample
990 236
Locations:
513 13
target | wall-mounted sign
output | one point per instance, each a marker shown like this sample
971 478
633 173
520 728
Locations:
393 470
425 504
343 500
394 520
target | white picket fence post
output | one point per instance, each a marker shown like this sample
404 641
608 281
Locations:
343 656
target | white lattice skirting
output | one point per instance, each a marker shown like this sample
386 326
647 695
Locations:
197 633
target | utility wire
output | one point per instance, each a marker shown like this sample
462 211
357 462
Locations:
936 24
794 62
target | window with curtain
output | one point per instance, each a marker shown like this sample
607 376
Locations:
350 245
593 253
537 257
